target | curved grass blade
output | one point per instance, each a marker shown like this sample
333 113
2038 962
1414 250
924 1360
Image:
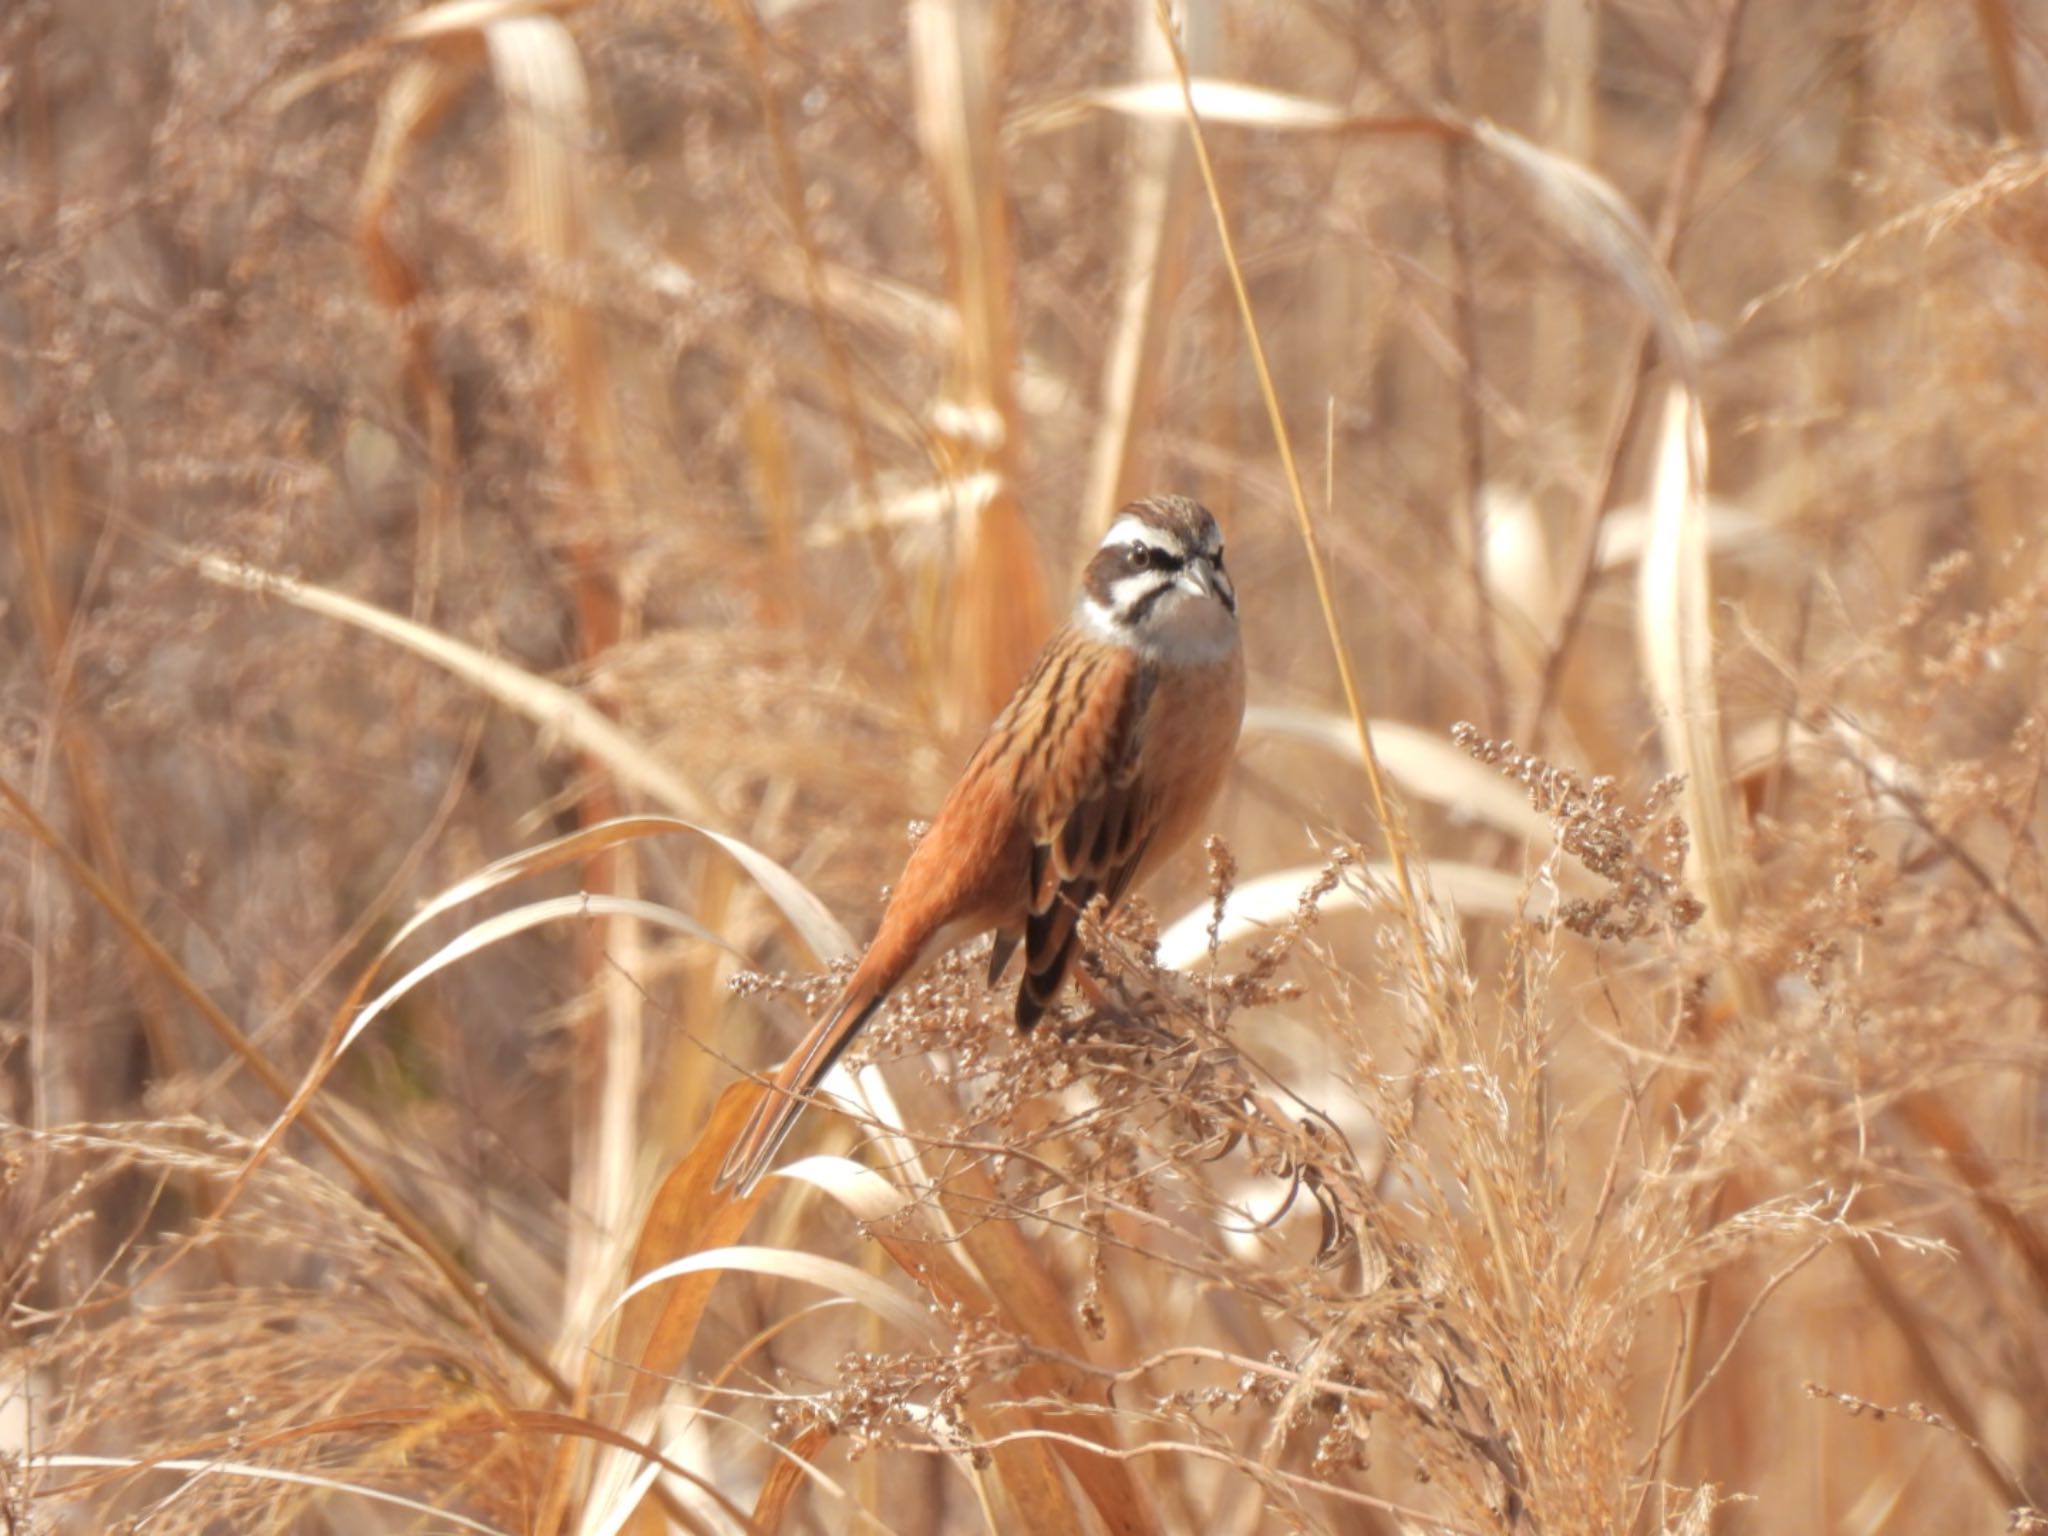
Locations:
1270 901
782 1263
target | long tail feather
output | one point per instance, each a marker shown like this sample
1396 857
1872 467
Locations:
794 1083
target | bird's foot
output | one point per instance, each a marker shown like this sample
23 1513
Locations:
1137 1018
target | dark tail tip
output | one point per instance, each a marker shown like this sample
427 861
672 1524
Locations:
772 1121
782 1102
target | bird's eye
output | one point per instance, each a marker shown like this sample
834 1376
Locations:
1140 556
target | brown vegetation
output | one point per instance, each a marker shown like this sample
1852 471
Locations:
512 508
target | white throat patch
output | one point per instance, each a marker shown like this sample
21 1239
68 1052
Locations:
1181 628
1178 625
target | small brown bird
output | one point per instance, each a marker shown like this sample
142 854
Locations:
1099 767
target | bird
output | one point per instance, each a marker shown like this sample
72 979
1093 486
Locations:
1102 763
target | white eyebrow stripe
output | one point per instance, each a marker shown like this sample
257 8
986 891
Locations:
1129 530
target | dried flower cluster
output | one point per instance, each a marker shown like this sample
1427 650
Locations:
1639 850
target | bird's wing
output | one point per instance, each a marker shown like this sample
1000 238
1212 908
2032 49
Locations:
1091 819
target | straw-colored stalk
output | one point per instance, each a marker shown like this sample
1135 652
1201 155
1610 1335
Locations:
994 600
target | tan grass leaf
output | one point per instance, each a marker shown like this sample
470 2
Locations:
1674 618
1157 212
454 18
546 99
866 1195
899 1224
1589 211
998 606
857 1285
1269 901
1732 530
564 718
684 1217
1421 762
504 925
923 505
806 913
1218 101
788 1475
1581 204
653 1460
811 919
998 613
216 1468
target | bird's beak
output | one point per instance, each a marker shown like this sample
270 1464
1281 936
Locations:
1204 580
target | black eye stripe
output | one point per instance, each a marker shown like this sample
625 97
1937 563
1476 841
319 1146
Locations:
1142 556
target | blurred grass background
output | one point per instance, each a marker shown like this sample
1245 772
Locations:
750 381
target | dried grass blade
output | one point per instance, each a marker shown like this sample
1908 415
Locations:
899 1224
951 48
1217 101
806 913
1674 617
609 1521
1257 906
214 1468
654 1334
458 18
787 1476
1422 763
546 98
811 919
417 99
781 1263
504 925
916 506
1157 211
998 613
559 712
653 1459
1592 214
686 1216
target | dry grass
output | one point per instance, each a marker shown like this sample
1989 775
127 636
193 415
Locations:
511 509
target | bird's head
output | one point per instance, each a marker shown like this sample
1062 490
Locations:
1157 582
